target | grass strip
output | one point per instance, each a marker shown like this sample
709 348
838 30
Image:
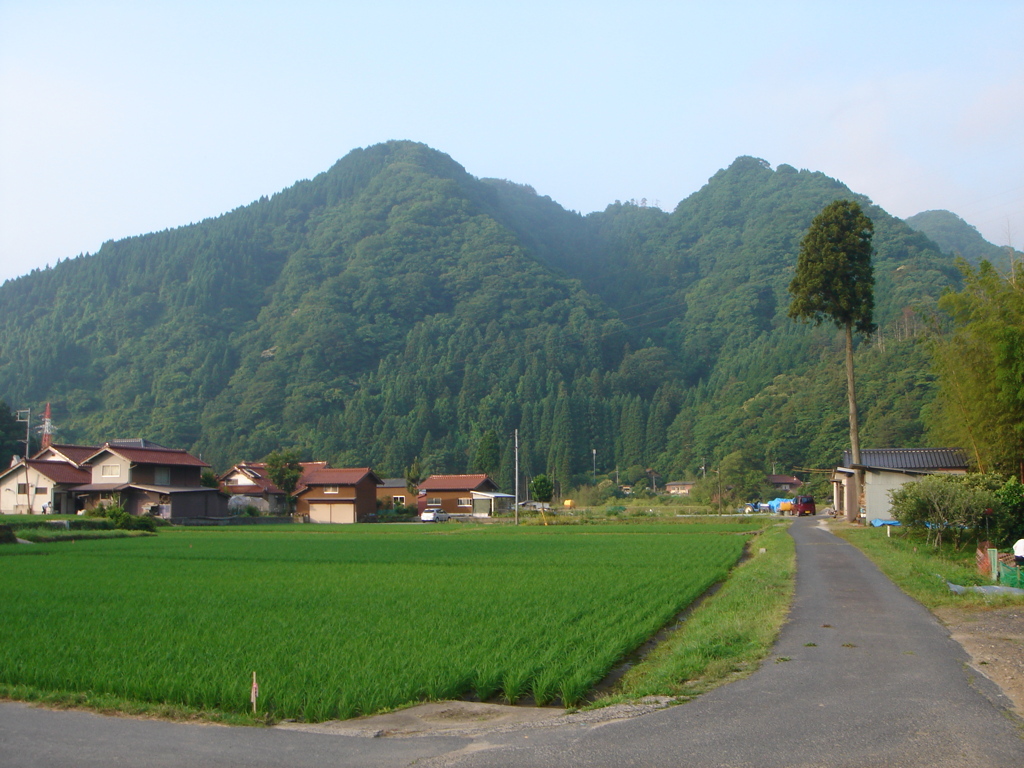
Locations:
728 634
915 566
108 704
40 536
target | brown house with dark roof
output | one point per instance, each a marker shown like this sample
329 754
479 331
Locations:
393 491
783 483
327 495
453 493
165 482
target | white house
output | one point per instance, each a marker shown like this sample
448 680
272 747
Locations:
886 469
38 486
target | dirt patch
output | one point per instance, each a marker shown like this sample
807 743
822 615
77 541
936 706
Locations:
470 718
994 639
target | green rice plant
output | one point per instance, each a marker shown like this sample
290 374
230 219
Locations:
340 621
729 633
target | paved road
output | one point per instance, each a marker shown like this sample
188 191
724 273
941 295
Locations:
861 676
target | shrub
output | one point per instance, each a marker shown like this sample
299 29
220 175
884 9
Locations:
946 506
122 519
1008 518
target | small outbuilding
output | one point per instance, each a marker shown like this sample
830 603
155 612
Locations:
885 470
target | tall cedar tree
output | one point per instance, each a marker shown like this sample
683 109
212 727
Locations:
834 281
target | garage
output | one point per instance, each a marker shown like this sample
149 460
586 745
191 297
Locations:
334 512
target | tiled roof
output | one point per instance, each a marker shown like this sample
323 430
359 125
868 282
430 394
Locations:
76 453
257 472
162 456
136 442
343 476
393 482
457 483
776 479
62 472
923 459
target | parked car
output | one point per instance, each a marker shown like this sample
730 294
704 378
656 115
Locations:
804 505
433 515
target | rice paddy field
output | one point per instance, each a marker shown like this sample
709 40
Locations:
348 620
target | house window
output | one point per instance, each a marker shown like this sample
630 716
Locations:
465 502
436 502
110 470
162 476
40 491
23 489
330 489
398 500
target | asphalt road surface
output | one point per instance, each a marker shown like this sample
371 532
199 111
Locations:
861 676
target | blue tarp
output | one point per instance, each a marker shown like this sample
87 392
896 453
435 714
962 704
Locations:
879 523
774 505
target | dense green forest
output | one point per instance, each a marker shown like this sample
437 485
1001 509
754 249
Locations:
955 236
396 307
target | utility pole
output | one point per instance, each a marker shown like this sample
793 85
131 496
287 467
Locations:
517 475
25 415
594 452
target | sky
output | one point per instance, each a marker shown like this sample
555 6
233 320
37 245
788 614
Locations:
121 118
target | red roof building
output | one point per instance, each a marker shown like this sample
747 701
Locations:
342 495
453 493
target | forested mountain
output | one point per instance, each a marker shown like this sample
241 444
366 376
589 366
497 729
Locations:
955 236
396 306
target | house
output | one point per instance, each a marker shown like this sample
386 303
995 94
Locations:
453 493
38 486
328 495
679 487
394 491
886 469
160 481
250 485
784 483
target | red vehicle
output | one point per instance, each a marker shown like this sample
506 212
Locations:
804 505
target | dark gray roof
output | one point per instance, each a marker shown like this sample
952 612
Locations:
136 442
393 482
924 459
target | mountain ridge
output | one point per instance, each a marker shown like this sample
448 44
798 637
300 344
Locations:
395 306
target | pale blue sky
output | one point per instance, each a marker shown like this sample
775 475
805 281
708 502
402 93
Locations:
120 118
